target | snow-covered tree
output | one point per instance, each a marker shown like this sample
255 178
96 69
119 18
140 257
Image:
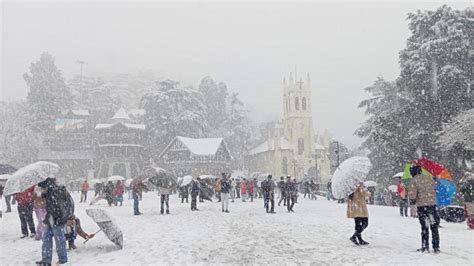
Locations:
48 94
173 110
215 95
19 144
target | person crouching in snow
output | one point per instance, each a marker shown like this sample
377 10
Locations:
73 228
357 209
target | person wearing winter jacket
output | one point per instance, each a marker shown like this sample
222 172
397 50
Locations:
195 191
243 189
109 193
467 190
39 204
72 229
25 211
357 210
423 192
137 188
225 192
268 188
164 189
291 193
402 193
281 187
184 192
232 188
84 190
217 189
118 192
250 189
54 222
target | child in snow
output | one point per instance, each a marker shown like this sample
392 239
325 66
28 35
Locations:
72 229
357 209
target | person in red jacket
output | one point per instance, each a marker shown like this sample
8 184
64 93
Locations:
402 193
25 211
84 189
243 189
119 189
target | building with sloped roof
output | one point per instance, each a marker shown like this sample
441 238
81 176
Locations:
196 156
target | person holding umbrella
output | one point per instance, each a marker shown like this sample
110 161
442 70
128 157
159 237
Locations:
54 221
423 192
357 210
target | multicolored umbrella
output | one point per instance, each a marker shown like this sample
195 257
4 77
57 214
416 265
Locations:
435 168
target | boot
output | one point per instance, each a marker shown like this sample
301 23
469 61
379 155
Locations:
167 211
161 211
354 240
437 251
361 241
424 249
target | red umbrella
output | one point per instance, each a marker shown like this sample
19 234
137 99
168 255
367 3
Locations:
435 168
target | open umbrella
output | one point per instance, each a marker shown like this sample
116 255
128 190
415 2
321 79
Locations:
186 180
370 183
128 182
349 175
116 178
159 177
107 225
398 175
445 191
392 188
435 168
95 181
29 176
4 178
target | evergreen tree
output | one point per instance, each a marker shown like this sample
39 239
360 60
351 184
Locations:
215 95
48 94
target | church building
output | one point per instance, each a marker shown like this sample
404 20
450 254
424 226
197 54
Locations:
292 147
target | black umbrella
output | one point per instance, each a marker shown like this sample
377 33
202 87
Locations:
159 177
207 190
7 169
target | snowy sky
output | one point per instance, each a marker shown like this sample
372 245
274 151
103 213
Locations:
251 47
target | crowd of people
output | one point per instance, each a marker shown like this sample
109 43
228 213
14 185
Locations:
54 208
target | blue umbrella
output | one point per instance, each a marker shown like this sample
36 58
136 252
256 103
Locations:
445 191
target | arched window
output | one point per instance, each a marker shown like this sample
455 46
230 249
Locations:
300 146
297 103
303 104
284 166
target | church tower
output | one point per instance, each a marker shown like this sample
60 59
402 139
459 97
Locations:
298 123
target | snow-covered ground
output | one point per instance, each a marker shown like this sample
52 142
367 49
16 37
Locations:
317 232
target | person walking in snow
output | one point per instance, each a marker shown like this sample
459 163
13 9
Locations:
237 187
291 193
357 210
467 190
250 188
25 212
137 188
281 187
84 190
109 193
225 192
243 189
72 229
118 192
184 192
39 204
402 193
232 188
195 191
423 192
268 188
164 189
217 189
55 221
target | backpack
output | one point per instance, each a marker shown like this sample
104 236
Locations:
66 204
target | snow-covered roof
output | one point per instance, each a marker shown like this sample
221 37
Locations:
207 146
121 114
264 147
128 125
318 146
137 112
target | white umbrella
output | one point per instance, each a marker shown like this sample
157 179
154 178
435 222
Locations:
398 174
349 175
95 181
29 176
370 183
107 225
4 179
186 180
128 182
116 178
392 188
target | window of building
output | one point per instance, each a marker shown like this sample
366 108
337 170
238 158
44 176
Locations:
300 146
297 103
303 103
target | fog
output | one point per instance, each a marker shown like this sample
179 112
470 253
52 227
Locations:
251 47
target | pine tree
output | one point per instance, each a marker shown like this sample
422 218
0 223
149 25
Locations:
48 94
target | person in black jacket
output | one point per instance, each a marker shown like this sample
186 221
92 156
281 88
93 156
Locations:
195 191
109 193
281 186
225 192
291 193
55 220
268 188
